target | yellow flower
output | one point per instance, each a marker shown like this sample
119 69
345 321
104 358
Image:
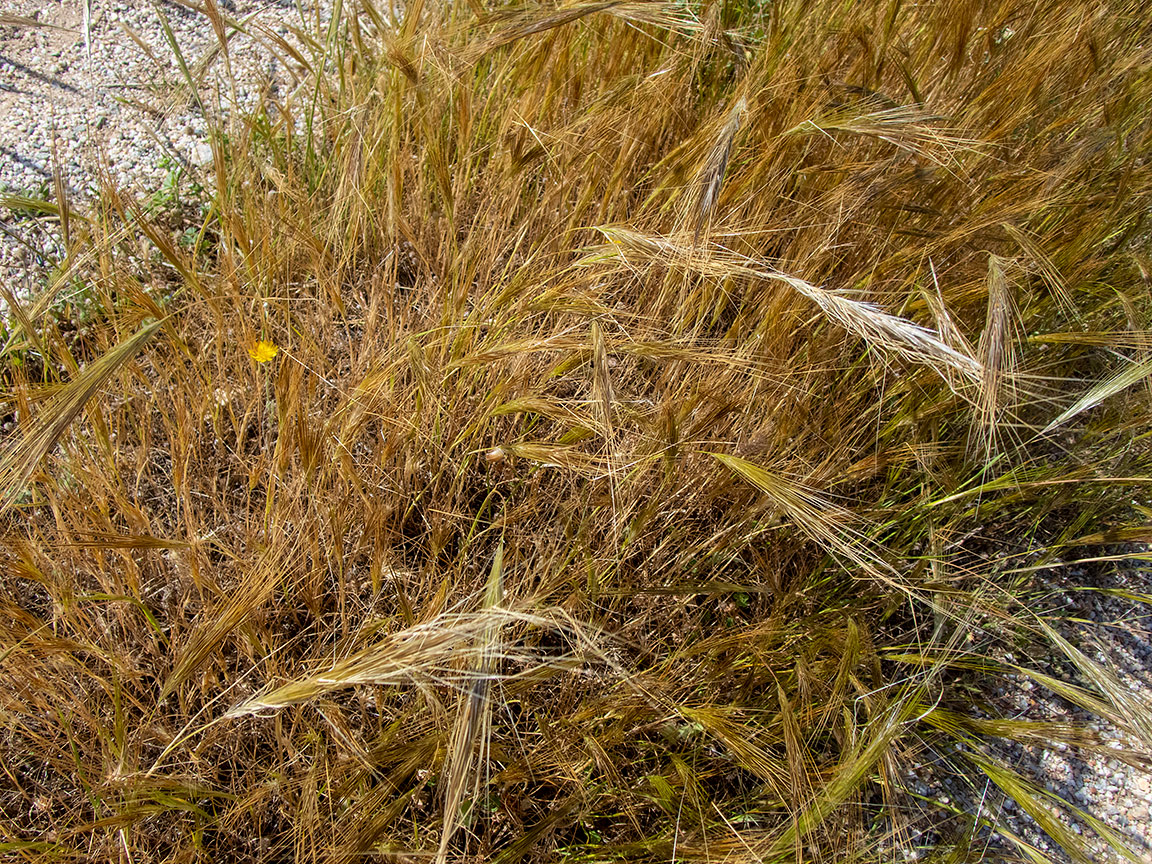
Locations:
263 351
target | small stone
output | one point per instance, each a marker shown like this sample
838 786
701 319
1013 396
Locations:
202 155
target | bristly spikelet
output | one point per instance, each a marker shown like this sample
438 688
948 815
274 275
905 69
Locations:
468 747
1044 265
20 461
908 127
861 318
945 325
602 391
711 174
997 352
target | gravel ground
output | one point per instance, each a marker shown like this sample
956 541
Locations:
118 89
96 93
106 89
1101 617
1111 629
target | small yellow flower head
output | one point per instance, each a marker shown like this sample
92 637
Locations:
263 351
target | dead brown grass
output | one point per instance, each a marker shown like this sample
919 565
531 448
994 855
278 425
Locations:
666 310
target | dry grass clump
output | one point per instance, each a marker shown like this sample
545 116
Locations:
669 405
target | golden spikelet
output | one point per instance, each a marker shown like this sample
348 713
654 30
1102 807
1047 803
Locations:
711 175
19 462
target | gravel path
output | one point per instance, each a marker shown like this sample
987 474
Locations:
1114 629
1101 617
116 87
107 85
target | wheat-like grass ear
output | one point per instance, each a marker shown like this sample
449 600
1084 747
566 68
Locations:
949 333
825 523
8 20
881 329
468 746
711 175
997 353
1131 374
20 462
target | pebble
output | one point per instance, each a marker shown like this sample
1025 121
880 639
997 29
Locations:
202 155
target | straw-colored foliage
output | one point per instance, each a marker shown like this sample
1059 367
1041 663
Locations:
599 432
